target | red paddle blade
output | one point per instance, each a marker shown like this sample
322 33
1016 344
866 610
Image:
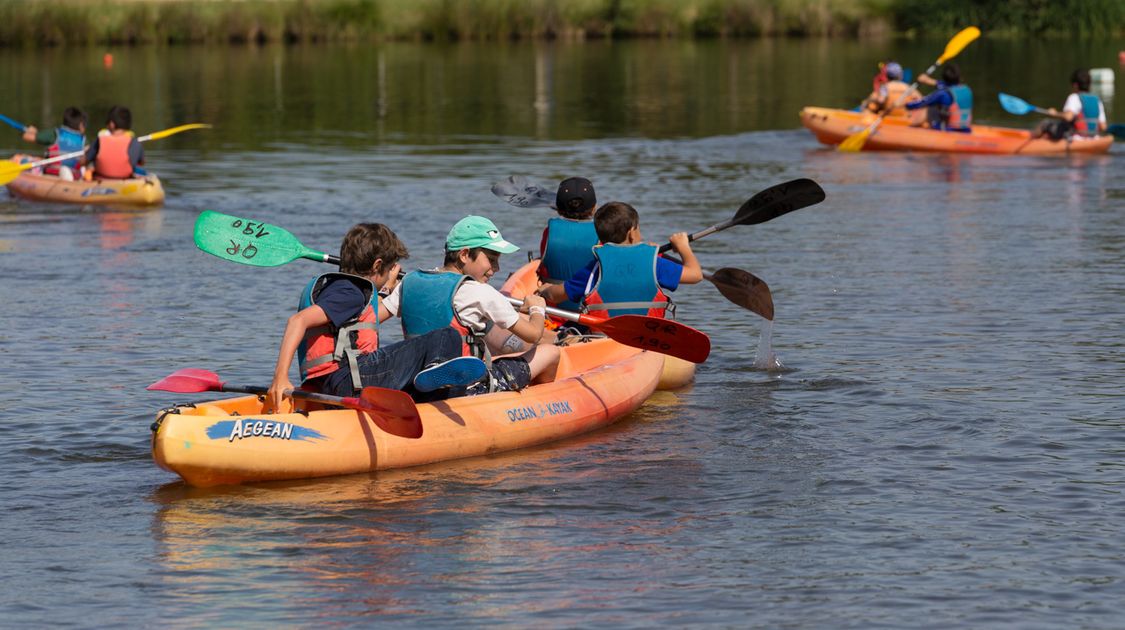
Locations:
657 334
189 381
393 411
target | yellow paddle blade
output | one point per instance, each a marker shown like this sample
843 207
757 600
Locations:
855 142
174 130
958 43
10 170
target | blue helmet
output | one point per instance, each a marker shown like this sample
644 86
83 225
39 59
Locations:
893 71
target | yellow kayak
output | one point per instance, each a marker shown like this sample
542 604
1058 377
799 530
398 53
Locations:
139 191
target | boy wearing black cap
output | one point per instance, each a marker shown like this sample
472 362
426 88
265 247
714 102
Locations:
569 238
627 276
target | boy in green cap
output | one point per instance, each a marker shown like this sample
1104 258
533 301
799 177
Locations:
457 295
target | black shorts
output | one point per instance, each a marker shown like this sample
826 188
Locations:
511 374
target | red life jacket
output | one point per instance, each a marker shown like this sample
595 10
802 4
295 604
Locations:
626 283
324 346
112 160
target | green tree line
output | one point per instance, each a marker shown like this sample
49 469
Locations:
91 22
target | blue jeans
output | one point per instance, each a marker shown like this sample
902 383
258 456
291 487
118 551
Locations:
395 366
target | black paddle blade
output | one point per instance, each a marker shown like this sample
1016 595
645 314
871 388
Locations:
744 289
778 200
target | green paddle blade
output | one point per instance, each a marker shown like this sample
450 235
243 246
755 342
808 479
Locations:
250 242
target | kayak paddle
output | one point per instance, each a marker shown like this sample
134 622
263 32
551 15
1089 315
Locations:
1018 106
251 242
392 410
666 336
18 126
10 170
767 205
856 141
1117 130
744 289
517 191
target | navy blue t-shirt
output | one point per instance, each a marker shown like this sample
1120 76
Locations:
668 274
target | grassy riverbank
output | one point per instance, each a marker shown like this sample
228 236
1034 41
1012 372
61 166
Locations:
87 22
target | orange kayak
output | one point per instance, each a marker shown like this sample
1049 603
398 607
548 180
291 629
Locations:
231 441
831 126
138 191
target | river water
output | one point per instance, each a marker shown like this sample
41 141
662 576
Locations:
944 448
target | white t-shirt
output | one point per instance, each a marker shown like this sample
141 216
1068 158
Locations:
476 303
1074 104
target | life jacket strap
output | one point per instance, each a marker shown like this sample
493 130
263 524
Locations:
614 305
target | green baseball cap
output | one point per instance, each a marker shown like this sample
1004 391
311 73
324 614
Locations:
474 231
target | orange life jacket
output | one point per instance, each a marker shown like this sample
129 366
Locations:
323 347
112 160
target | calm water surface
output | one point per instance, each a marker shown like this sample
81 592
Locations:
945 448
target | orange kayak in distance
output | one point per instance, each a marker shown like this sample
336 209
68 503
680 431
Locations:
831 126
231 441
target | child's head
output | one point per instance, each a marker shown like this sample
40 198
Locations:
74 118
119 117
371 250
617 222
1081 79
575 198
473 247
893 71
951 74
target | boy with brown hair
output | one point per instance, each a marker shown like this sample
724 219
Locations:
335 332
628 276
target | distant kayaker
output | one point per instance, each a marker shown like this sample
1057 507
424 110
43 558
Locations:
336 336
568 239
891 94
457 295
70 137
628 276
116 153
1082 114
950 107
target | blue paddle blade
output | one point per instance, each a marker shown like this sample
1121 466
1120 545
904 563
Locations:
14 124
1014 105
1117 130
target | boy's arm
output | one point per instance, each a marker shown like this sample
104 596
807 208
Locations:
692 273
295 330
553 292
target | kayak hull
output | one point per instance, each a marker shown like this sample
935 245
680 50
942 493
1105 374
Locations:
140 191
231 441
831 126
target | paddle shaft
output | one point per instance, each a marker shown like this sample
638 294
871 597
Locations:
350 402
18 126
19 168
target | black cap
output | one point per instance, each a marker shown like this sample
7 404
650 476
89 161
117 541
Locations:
575 197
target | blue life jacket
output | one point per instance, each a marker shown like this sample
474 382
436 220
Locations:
961 111
568 249
67 140
322 347
626 282
426 303
1086 123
